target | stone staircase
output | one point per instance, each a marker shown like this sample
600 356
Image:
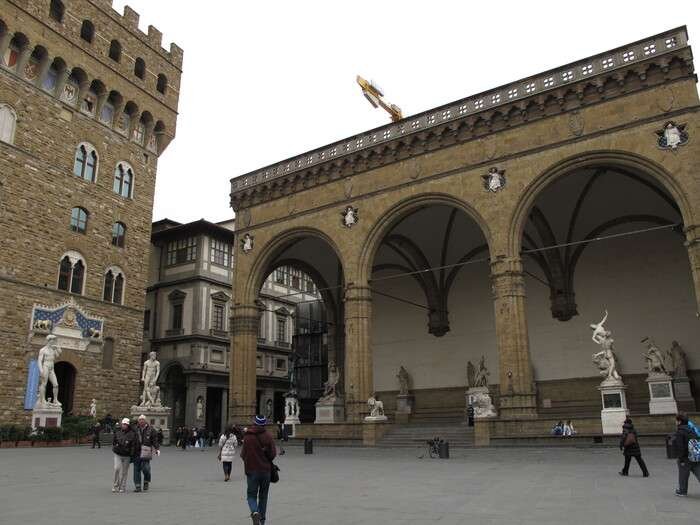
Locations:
417 433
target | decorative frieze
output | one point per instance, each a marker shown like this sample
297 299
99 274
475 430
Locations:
580 84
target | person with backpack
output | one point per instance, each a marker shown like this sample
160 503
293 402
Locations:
257 452
629 444
687 447
124 447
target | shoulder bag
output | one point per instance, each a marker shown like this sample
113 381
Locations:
274 469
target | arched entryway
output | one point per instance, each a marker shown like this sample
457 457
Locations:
174 390
66 377
604 235
432 307
300 269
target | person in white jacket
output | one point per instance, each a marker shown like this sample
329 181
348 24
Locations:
227 451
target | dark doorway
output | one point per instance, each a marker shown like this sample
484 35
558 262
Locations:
212 419
278 406
174 394
65 375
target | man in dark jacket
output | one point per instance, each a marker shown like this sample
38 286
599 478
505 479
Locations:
685 467
629 444
95 431
124 448
146 446
258 451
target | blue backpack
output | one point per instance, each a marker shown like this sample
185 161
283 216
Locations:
694 444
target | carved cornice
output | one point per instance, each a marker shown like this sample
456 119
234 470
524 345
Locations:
650 62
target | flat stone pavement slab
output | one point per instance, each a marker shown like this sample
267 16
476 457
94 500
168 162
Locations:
348 486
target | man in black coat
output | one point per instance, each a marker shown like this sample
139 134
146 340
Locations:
629 444
147 446
685 467
124 448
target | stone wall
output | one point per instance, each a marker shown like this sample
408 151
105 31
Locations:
38 191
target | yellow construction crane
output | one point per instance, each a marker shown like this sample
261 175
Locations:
375 96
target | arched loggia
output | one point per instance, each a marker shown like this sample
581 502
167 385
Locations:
603 232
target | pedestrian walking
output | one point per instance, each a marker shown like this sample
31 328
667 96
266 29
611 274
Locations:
95 431
683 435
201 438
124 448
257 452
146 447
184 437
227 451
629 444
160 437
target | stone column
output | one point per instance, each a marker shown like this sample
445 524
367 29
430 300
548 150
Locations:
224 409
358 352
242 378
517 386
4 44
61 80
692 244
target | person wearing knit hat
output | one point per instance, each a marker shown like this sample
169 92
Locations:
258 451
124 447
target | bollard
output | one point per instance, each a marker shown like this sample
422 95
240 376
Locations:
444 450
308 446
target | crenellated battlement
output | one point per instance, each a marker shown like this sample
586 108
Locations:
154 37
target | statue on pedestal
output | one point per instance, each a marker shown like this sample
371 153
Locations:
404 379
149 376
330 387
376 407
676 358
93 408
200 408
605 359
46 360
477 378
655 362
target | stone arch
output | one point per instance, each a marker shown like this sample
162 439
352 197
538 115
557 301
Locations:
400 210
592 159
259 268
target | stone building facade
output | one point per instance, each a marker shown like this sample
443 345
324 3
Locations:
186 322
474 229
88 102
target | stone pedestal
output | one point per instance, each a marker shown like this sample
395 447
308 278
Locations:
683 394
330 411
404 404
47 416
661 400
373 429
480 399
614 412
157 417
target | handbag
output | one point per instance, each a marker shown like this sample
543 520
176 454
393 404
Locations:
274 469
146 452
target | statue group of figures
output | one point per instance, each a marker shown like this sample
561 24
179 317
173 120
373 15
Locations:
477 377
671 363
330 387
376 407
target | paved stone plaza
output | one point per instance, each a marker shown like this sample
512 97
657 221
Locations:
351 486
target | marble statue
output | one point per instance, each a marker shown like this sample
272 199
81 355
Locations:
93 408
605 360
46 360
149 376
482 405
268 409
477 377
200 408
376 407
330 387
403 378
676 358
654 358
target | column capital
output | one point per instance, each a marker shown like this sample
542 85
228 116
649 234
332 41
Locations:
245 319
507 277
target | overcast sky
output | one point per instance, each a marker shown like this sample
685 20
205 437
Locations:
264 81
